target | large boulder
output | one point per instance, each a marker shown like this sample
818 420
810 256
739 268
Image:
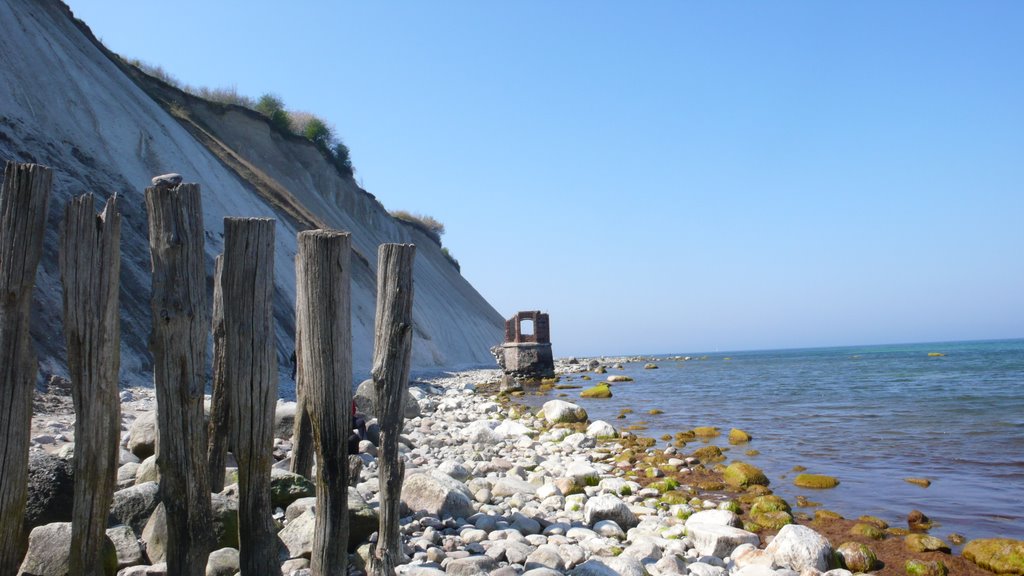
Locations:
601 429
154 534
925 543
512 429
49 549
366 399
51 489
582 473
719 540
362 520
287 487
284 419
437 494
545 556
143 438
224 513
511 485
126 546
223 562
601 390
479 432
609 507
471 566
857 557
1000 555
297 536
610 566
134 505
557 411
719 517
798 547
224 532
147 471
741 475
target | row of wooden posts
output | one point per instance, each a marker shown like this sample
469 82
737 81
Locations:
191 453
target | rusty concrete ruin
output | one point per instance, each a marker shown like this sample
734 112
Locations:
526 352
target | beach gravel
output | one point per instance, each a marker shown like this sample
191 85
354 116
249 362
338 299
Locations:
504 489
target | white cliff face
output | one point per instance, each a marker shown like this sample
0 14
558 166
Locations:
65 104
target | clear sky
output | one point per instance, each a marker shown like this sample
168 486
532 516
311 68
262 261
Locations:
665 176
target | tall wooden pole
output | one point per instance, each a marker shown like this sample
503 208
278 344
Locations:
302 429
90 270
392 347
178 342
323 322
23 202
220 401
248 284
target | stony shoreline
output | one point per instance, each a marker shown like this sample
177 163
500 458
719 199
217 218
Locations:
494 487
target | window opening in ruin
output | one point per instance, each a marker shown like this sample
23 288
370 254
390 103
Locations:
526 327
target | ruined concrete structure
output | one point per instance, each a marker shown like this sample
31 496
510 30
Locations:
526 352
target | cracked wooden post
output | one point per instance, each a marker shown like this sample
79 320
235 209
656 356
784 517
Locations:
248 284
323 323
23 203
220 400
178 342
392 346
302 428
90 271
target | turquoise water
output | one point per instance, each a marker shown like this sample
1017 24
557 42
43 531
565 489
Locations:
870 415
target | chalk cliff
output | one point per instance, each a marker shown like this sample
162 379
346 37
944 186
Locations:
67 103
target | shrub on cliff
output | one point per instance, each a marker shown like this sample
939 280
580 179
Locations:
451 259
342 159
426 224
273 108
318 132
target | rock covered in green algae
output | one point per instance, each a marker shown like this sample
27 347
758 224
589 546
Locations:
817 481
602 390
708 453
286 487
705 431
866 530
737 436
1000 555
769 503
875 520
857 557
742 474
826 515
925 543
772 520
922 568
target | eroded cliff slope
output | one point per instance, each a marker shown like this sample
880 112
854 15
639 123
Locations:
67 103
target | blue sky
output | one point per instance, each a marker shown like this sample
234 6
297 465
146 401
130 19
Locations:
673 176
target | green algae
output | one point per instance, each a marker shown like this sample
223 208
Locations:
816 481
742 474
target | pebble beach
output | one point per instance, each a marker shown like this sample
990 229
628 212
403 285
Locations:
521 484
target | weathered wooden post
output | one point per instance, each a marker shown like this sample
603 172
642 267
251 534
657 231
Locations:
248 284
178 342
90 270
302 429
323 322
23 202
220 400
392 347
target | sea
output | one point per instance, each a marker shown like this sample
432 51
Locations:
872 416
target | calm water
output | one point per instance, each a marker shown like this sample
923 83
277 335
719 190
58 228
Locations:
870 416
